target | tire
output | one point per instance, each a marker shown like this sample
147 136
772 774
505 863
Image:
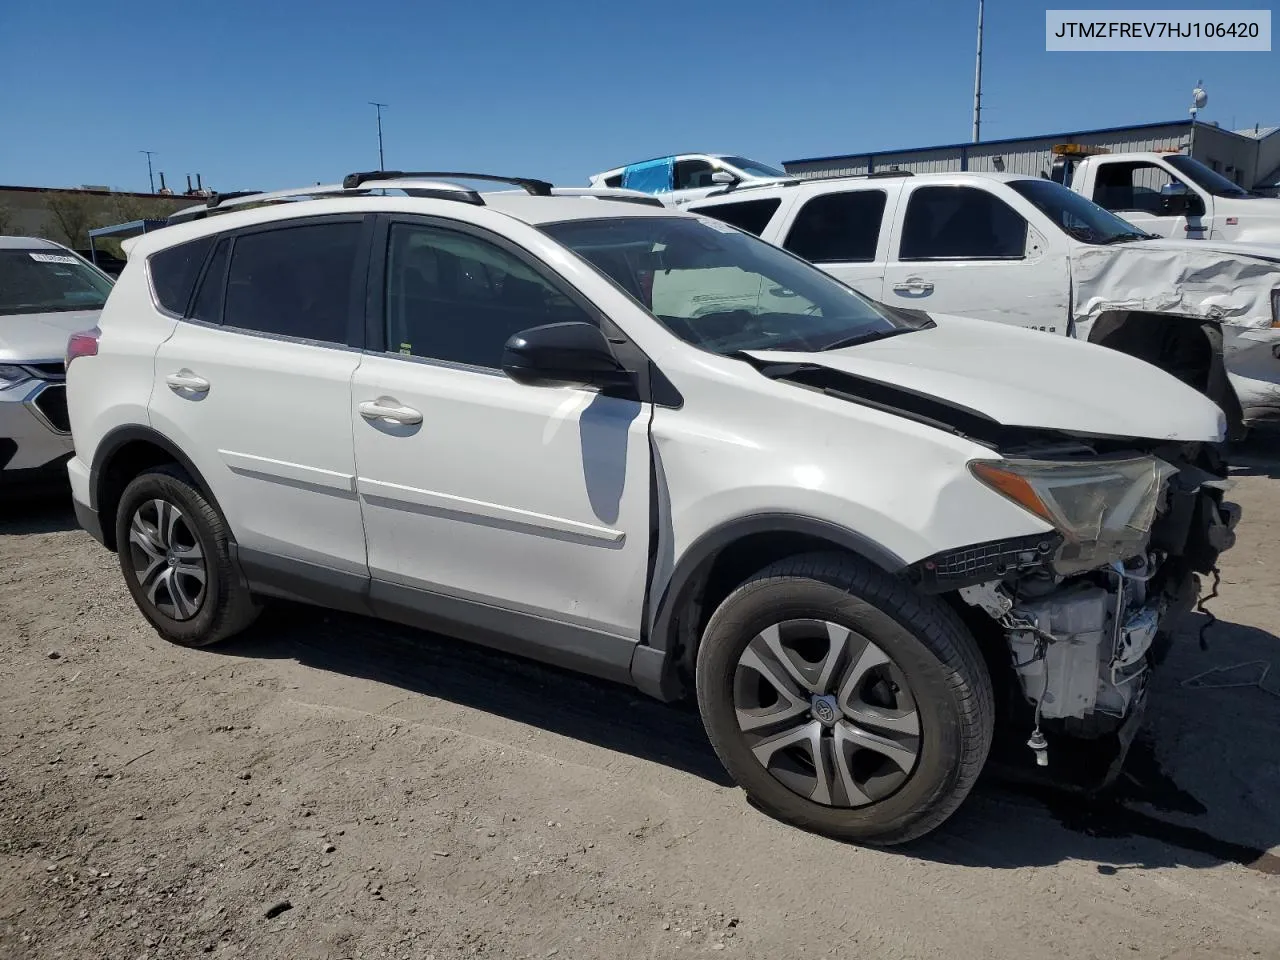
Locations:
935 667
153 546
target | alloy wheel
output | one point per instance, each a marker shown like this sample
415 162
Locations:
167 559
826 712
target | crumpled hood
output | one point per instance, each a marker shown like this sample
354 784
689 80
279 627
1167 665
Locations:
30 337
1026 378
1231 248
1213 280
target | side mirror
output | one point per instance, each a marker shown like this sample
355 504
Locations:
563 353
723 178
1179 200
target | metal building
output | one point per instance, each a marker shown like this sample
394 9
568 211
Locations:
1249 157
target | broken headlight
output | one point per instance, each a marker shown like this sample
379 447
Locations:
1103 508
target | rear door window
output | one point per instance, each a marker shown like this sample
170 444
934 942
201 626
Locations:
961 223
838 227
294 281
749 215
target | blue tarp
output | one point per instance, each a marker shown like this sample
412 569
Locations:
652 176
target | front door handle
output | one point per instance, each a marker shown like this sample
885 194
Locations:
913 285
186 380
387 408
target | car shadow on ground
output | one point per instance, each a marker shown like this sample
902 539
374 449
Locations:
1146 820
42 511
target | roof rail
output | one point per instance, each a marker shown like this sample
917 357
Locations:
537 188
617 194
216 198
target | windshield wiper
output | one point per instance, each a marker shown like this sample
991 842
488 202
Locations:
861 338
1130 235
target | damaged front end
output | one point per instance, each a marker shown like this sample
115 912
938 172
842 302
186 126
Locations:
1083 613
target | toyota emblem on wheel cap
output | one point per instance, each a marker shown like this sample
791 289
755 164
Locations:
824 710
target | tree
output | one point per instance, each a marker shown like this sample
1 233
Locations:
73 210
127 208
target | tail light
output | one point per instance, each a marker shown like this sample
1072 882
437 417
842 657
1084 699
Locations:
83 344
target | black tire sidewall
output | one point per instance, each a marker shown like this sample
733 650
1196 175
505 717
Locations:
158 485
761 605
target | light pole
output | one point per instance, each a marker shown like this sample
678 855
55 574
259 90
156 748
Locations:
379 106
150 179
977 82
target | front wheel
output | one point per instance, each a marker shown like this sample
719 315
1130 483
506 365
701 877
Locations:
844 702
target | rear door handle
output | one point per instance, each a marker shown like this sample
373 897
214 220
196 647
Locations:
913 285
387 408
186 380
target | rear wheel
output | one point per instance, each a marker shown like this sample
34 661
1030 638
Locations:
174 551
842 701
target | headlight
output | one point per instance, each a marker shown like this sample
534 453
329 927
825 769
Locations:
11 376
1104 508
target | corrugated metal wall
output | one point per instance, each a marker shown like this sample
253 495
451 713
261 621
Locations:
1031 156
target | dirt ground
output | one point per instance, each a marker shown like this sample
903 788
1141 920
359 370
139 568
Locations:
329 787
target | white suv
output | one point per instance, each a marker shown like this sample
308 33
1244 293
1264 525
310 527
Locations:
654 448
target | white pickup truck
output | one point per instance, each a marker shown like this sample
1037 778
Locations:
1169 194
1029 252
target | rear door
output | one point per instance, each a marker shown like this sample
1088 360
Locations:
254 384
962 249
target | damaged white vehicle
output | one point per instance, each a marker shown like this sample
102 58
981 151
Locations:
1032 253
651 447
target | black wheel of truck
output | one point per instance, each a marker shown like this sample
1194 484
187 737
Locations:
844 702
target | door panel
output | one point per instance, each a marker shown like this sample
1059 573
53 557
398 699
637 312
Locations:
531 499
271 435
963 250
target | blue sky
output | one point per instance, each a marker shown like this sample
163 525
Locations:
271 93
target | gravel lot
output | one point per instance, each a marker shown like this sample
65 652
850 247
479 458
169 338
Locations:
330 787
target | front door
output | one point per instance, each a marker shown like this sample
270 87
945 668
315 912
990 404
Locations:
1152 198
485 501
963 250
255 385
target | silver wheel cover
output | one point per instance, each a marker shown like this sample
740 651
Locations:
826 712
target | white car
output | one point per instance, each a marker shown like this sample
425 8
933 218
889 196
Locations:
868 541
681 178
1029 252
47 292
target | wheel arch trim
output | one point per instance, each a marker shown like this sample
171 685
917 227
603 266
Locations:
714 542
118 439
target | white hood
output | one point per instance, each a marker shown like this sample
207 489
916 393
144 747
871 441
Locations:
1026 378
1213 280
32 337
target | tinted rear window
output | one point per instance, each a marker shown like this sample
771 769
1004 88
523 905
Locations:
174 272
750 215
294 281
838 227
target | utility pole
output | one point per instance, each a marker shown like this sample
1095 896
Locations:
150 179
977 83
381 163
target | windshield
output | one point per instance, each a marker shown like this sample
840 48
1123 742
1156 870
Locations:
753 167
723 290
1202 176
1075 215
49 281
